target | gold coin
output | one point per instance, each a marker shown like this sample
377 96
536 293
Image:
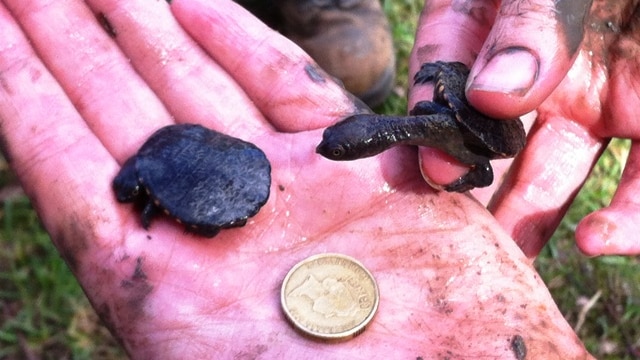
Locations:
329 296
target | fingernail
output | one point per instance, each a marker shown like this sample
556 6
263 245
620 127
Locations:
511 71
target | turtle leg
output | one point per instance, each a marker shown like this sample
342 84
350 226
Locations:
480 175
427 73
208 231
148 212
429 108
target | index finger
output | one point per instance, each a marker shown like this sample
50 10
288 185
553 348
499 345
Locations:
447 31
283 81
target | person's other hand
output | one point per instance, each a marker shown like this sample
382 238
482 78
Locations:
523 59
82 85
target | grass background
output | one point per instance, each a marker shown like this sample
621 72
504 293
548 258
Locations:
45 315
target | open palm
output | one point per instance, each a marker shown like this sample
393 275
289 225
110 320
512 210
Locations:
451 283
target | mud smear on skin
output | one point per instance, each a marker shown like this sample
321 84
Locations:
106 25
319 76
571 15
518 347
5 85
73 246
118 308
437 297
540 225
121 316
608 22
427 52
137 285
253 352
316 74
483 14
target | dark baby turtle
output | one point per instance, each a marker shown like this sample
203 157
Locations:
448 123
204 179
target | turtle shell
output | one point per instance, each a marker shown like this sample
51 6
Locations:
483 135
204 179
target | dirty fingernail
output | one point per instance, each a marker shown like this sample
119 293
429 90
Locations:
438 168
511 71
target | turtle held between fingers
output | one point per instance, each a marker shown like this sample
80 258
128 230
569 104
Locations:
204 179
447 122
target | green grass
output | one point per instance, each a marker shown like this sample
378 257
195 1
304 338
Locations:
44 313
403 16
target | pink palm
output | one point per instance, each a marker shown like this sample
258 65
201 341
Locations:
451 282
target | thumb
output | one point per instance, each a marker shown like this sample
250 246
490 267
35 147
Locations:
528 52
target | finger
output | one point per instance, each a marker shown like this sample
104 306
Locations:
282 80
91 69
543 180
449 31
461 28
530 48
613 230
59 161
192 86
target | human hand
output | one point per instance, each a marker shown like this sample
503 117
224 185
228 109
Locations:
451 282
525 61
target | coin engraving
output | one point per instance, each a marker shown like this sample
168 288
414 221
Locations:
330 296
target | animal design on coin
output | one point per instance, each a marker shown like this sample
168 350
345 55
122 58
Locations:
204 179
329 296
448 123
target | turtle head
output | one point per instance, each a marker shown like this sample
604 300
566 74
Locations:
353 138
126 184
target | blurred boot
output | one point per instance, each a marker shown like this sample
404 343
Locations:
350 39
